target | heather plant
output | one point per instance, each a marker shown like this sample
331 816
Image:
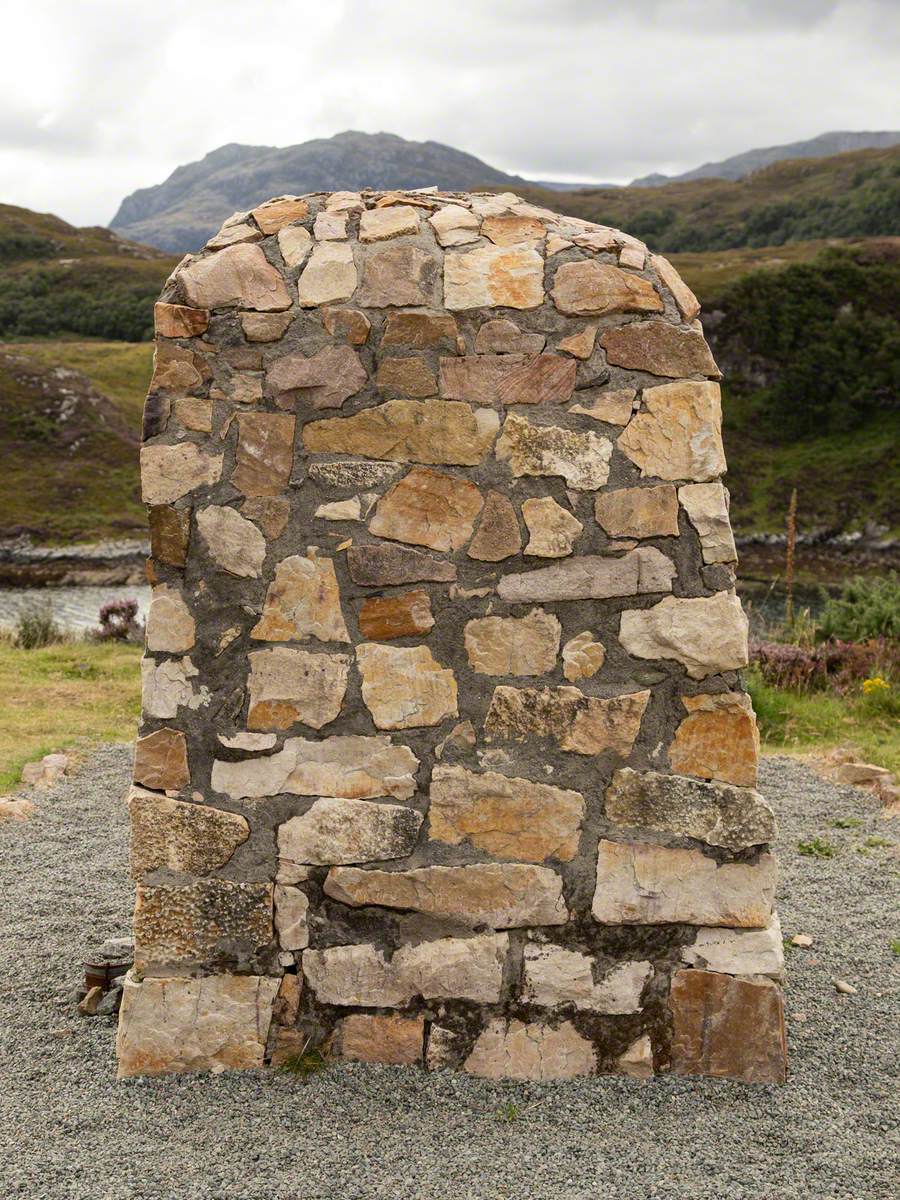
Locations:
119 622
838 666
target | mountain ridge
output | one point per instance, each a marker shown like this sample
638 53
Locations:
183 211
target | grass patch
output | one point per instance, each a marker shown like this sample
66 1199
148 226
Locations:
310 1062
816 848
121 370
796 721
64 697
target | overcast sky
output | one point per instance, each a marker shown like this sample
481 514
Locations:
99 97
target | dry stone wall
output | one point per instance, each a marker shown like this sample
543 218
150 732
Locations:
445 757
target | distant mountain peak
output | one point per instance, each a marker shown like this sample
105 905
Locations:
739 165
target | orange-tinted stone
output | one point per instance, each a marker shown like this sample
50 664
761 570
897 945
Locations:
348 323
420 331
382 1039
178 320
508 229
660 349
382 618
717 740
727 1027
160 761
406 377
265 453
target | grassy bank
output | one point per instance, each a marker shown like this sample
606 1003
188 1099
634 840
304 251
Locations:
64 697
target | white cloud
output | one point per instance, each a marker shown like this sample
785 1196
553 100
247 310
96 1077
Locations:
103 97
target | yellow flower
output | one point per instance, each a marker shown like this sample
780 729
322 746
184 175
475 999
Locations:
875 684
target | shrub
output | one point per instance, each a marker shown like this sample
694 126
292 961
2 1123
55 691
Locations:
865 608
36 627
119 622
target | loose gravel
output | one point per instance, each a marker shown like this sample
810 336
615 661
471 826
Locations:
354 1132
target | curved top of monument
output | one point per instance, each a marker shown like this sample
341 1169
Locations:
457 251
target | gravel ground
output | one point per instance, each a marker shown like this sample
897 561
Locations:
67 1129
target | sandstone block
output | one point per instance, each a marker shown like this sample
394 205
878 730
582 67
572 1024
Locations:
160 761
233 542
288 685
383 566
503 336
349 323
265 327
715 813
582 459
454 225
637 1061
169 534
498 276
405 687
447 968
379 224
303 601
641 884
200 922
178 1025
613 408
505 817
428 508
582 656
497 536
739 951
578 723
275 214
264 454
170 835
659 349
336 831
270 513
509 228
687 302
350 766
170 472
515 1050
580 344
295 244
165 687
426 431
593 577
555 976
727 1027
707 635
329 275
236 277
406 377
396 276
179 321
513 645
325 379
593 289
706 505
552 529
678 432
500 895
508 379
420 331
193 413
383 618
170 625
718 739
291 909
638 512
394 1040
330 226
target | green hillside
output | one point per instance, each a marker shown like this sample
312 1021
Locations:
57 280
845 196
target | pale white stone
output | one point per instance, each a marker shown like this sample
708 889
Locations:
707 634
376 224
170 626
291 909
739 951
329 275
288 685
330 226
248 741
514 1050
555 976
335 831
341 510
582 656
706 505
165 687
234 543
295 243
454 225
170 472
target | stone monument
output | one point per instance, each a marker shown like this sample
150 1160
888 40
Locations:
445 758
